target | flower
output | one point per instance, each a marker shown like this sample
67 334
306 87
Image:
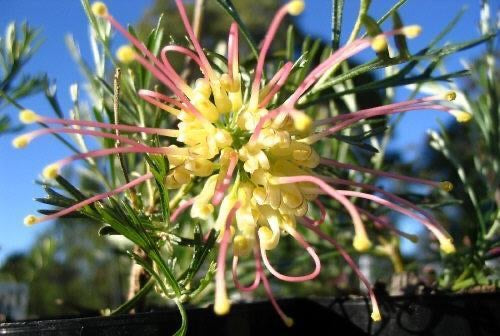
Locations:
257 162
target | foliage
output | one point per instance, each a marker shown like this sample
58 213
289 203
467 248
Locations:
68 276
16 48
476 171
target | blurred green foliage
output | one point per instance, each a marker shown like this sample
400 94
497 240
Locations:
17 46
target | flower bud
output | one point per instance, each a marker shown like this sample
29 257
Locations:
21 141
412 31
28 117
125 54
99 9
296 7
51 171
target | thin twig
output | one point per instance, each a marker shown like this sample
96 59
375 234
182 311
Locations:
116 108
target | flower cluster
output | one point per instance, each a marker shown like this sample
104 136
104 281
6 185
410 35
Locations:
257 163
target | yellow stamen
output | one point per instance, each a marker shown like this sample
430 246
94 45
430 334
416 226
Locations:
221 304
379 43
21 141
289 322
302 122
361 243
446 245
461 116
296 7
30 220
446 186
376 315
99 9
28 117
412 31
125 54
51 171
450 95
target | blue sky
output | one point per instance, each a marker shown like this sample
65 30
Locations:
57 18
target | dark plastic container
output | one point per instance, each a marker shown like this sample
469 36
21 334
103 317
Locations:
447 315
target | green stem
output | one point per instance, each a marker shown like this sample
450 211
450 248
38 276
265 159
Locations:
182 330
129 304
337 11
363 9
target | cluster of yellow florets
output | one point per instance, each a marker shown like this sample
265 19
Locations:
265 208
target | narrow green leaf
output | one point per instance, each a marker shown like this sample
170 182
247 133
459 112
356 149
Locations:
290 43
337 12
130 304
400 39
70 188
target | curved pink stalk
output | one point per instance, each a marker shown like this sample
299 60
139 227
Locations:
380 223
173 74
435 230
389 111
232 51
157 98
111 151
138 44
379 110
287 320
237 283
340 55
207 69
322 210
220 281
337 57
180 209
289 278
271 32
276 83
44 131
120 127
159 70
222 187
349 261
351 209
185 51
333 163
173 87
396 198
95 198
